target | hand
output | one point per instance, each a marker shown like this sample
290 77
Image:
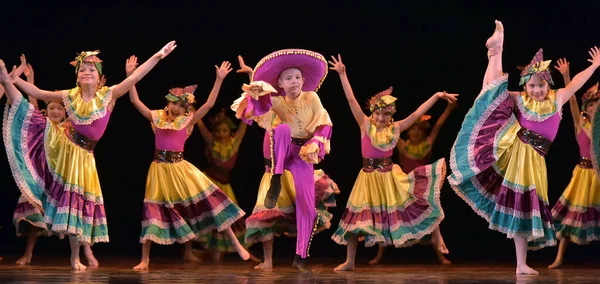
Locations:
451 105
102 82
562 65
19 70
29 72
451 98
243 67
130 65
337 65
223 70
166 50
595 54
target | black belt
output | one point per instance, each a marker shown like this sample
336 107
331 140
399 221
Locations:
378 164
537 141
80 139
299 141
165 156
585 162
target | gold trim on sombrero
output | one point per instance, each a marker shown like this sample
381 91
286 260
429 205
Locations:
294 52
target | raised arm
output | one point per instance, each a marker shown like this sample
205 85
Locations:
563 95
139 73
206 135
562 65
130 66
30 79
413 117
357 112
244 68
29 88
210 102
239 135
440 122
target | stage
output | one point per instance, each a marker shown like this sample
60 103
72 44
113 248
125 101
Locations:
171 270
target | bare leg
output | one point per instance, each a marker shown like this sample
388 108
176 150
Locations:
12 93
145 256
267 254
31 240
379 256
350 254
188 252
89 255
562 248
494 45
244 254
521 250
75 261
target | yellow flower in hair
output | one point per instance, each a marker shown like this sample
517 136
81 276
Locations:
387 99
542 66
190 98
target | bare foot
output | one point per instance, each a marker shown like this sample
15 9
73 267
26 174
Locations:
375 260
76 265
264 265
89 256
255 259
3 72
142 266
191 257
441 247
244 254
497 39
526 270
346 266
24 260
555 264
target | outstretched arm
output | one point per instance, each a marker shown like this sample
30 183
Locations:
123 87
563 95
562 65
440 122
338 66
206 135
244 68
130 66
30 79
413 117
29 88
239 136
210 102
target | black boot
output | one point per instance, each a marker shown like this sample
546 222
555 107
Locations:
301 264
273 192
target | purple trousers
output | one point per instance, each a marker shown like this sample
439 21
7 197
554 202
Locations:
286 157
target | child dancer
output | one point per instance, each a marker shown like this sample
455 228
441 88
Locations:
222 152
386 205
54 167
576 216
301 140
264 224
497 160
180 201
415 152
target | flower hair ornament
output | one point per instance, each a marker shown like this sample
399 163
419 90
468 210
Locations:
538 67
592 94
88 57
221 117
423 122
383 101
185 95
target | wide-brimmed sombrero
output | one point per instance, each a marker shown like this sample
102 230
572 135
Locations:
312 64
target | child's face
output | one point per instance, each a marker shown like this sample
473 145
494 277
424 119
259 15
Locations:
291 81
56 112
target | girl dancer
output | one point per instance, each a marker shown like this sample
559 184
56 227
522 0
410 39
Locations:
386 205
415 152
497 160
180 201
54 166
576 215
222 152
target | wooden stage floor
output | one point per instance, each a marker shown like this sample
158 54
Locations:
114 270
